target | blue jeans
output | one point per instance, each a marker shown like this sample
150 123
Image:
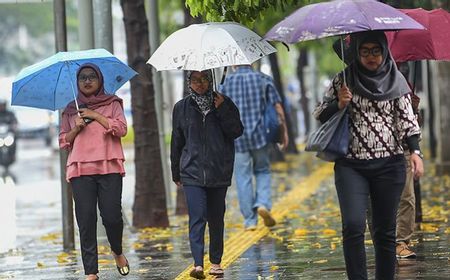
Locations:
206 205
246 165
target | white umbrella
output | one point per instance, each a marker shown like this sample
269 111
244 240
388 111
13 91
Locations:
210 45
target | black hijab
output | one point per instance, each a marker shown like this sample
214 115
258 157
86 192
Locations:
385 83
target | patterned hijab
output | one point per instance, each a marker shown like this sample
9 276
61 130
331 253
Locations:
204 101
385 83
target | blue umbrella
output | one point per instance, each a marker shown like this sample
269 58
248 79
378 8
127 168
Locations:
51 83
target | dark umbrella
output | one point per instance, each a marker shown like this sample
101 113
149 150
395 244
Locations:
339 17
432 43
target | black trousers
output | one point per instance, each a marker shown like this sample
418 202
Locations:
107 191
206 205
382 180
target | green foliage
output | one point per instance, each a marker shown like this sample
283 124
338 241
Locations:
37 17
243 11
37 20
170 17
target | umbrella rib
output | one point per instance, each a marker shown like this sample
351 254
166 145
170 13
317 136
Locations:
56 86
363 14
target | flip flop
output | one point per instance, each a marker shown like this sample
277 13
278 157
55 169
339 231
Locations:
197 274
217 271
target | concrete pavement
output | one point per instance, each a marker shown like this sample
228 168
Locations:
305 244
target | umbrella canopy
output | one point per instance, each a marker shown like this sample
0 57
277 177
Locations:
339 17
210 45
51 84
432 43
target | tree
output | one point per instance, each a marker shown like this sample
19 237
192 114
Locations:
242 11
181 206
149 209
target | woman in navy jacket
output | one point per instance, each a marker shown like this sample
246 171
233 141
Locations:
205 125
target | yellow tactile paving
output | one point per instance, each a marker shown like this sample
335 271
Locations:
240 241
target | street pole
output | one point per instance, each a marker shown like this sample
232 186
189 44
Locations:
59 10
153 26
85 27
103 34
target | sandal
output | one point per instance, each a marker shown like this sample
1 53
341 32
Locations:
124 270
197 273
216 271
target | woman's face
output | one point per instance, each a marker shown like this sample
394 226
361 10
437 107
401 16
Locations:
88 82
199 82
371 56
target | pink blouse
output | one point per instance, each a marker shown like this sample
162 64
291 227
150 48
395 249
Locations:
95 150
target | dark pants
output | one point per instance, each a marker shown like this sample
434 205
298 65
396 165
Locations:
107 191
206 205
382 180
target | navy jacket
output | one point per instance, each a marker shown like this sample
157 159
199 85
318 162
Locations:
202 147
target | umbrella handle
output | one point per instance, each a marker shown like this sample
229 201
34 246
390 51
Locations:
66 63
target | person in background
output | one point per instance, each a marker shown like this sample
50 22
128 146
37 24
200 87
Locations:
406 213
205 124
7 116
250 90
95 165
381 119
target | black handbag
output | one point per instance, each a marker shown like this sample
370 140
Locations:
331 139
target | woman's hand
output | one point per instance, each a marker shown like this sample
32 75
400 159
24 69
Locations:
218 99
179 184
344 97
79 123
88 113
416 165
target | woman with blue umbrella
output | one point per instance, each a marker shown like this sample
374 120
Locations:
91 128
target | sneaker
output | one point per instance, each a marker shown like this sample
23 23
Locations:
250 228
269 221
404 252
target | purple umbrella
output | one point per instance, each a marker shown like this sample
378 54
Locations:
339 17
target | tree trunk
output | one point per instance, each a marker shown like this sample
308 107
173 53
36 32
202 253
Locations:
149 209
181 206
302 62
273 58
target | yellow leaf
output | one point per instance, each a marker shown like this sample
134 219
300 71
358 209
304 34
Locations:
333 246
320 261
429 227
138 246
274 267
316 245
50 237
40 265
329 231
301 232
105 261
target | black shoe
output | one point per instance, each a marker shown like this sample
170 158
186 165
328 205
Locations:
124 270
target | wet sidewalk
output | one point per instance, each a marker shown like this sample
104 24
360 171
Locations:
305 244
